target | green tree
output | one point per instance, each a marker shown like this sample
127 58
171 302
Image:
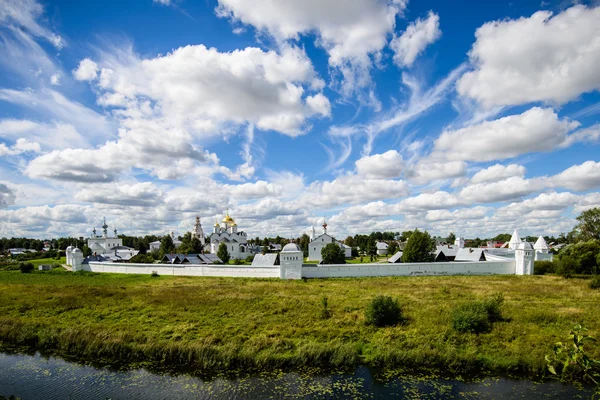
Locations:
166 244
419 248
303 243
195 246
332 254
451 238
223 254
350 241
588 227
392 248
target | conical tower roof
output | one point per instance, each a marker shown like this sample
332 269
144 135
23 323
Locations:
541 244
515 240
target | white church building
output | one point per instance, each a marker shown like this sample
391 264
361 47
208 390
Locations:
227 232
318 242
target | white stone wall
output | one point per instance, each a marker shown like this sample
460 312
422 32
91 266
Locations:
185 270
410 269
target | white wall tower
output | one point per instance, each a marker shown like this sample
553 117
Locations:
524 256
290 262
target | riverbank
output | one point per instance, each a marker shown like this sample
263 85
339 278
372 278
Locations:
216 324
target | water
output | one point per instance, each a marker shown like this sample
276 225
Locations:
36 377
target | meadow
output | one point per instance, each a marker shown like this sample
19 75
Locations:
219 324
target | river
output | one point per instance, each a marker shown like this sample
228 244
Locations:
36 377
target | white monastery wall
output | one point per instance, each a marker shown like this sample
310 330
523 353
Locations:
185 270
410 269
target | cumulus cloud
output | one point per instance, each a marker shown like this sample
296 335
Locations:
541 58
535 130
139 194
413 41
50 135
87 70
350 32
581 177
21 146
498 172
460 214
426 170
387 165
203 89
506 189
7 196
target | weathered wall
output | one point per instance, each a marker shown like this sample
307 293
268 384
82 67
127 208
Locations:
437 268
185 270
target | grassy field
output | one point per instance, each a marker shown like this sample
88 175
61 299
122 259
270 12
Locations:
14 265
211 324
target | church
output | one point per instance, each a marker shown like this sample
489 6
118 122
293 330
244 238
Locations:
227 232
318 242
103 244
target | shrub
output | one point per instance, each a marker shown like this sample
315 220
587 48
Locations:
567 266
154 274
471 317
478 316
419 248
383 311
325 311
493 307
250 258
595 282
544 267
26 267
223 254
237 261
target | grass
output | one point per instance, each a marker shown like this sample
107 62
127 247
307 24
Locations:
211 324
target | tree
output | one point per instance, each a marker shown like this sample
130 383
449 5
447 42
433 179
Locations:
196 246
451 238
304 242
371 248
588 227
332 254
419 248
166 244
392 248
223 254
350 241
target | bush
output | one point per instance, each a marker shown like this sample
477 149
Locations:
26 267
250 258
471 317
478 316
595 282
383 311
567 266
544 267
237 261
154 274
325 311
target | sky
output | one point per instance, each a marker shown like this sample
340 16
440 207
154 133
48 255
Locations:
377 115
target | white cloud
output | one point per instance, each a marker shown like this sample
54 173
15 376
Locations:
350 32
506 189
138 194
535 130
587 135
51 136
581 177
21 146
203 89
498 172
542 58
413 41
87 70
386 165
55 79
428 201
7 196
426 170
460 214
25 14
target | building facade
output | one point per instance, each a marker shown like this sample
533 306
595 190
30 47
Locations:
227 232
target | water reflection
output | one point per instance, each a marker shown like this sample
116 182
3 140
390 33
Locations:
36 377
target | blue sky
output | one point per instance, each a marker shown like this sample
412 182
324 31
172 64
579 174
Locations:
471 117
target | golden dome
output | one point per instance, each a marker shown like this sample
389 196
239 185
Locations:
216 224
234 224
228 219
